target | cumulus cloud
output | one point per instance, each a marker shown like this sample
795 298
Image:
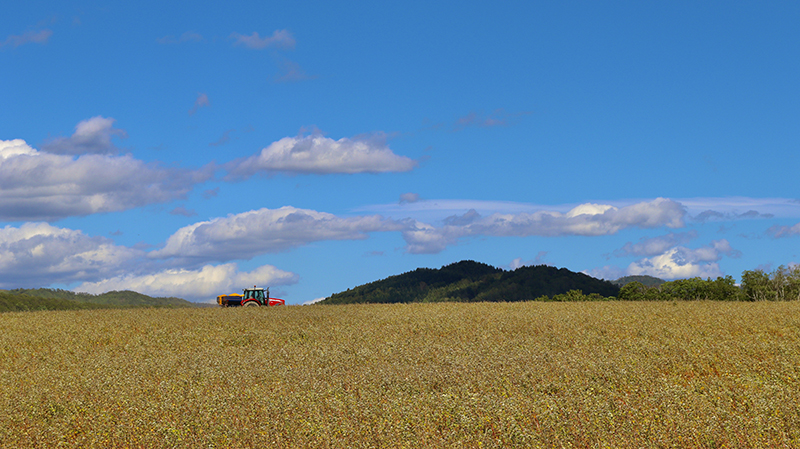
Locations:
318 154
36 254
91 136
676 263
779 231
38 186
201 102
28 37
203 284
585 219
245 235
279 39
655 245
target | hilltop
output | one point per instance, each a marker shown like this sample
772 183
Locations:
647 281
470 281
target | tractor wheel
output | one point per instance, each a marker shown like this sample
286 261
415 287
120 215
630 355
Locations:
251 304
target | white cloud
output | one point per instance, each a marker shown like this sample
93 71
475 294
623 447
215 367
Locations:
676 263
423 238
201 102
314 301
735 208
245 235
672 265
202 285
92 136
36 37
655 245
42 186
37 254
16 147
587 220
279 39
318 154
589 209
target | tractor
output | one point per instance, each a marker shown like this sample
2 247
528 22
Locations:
251 297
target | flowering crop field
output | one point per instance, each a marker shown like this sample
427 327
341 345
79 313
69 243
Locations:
592 374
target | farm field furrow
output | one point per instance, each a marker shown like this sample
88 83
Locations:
592 374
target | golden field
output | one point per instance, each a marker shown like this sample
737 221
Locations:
591 374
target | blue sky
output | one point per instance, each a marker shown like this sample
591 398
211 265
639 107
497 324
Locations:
194 148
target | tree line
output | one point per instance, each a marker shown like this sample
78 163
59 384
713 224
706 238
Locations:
781 284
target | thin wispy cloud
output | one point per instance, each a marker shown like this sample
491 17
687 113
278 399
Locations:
28 37
226 137
281 39
498 117
182 210
780 231
409 198
586 220
291 72
202 101
739 208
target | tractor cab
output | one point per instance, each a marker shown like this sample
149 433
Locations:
255 296
259 297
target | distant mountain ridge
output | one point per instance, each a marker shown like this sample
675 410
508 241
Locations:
647 281
57 299
470 281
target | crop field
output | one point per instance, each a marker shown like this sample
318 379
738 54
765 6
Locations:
591 374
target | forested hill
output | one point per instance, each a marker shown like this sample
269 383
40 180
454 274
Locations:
647 281
474 281
57 299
